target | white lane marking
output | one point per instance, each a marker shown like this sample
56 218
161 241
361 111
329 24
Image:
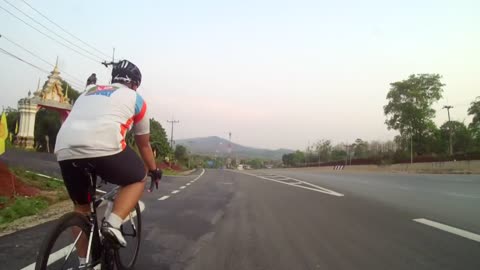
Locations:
203 171
56 179
455 194
450 229
187 184
63 252
45 176
182 187
297 184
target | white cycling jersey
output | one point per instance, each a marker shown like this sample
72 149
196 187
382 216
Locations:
99 121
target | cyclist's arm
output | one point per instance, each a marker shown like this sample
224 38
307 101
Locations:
143 144
141 128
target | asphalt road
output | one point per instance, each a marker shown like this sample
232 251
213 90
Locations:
291 219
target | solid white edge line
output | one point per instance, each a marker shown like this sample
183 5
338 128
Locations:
203 171
450 229
164 198
318 188
45 176
175 191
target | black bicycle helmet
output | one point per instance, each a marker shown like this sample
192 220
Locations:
126 72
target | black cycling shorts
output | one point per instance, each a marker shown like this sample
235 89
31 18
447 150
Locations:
122 169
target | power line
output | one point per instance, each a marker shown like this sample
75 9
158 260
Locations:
36 29
20 59
38 57
50 30
64 30
32 65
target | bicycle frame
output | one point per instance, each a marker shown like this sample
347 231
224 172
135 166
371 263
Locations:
92 217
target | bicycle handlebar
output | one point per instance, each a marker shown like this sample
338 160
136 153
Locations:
155 177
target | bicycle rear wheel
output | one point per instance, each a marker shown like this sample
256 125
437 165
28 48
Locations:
60 250
132 231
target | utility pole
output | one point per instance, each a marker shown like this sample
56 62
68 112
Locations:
346 154
411 148
448 107
173 122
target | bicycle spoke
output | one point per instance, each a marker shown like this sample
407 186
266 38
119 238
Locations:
73 246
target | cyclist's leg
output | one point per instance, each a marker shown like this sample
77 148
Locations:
127 197
127 170
82 244
77 184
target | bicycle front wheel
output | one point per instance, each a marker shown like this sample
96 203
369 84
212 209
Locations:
66 242
132 232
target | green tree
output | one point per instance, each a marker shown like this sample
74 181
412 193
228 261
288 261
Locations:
294 159
256 163
474 126
360 148
181 153
461 137
158 139
324 149
47 123
409 108
474 111
13 116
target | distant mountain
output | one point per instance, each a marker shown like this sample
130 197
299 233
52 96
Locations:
218 146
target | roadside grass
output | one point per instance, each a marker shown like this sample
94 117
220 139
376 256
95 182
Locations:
37 181
21 207
168 171
51 192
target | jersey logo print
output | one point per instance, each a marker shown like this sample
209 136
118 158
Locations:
101 90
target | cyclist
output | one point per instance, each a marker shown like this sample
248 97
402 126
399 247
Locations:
94 134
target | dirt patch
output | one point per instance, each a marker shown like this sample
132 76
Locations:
11 185
53 212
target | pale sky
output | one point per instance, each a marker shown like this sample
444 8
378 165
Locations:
277 74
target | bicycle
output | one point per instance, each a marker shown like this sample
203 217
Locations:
58 251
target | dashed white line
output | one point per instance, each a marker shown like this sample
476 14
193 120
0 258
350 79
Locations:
450 229
183 187
101 191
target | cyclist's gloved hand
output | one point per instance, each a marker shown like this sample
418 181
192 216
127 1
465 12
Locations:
156 175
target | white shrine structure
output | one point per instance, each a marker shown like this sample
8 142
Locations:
51 97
